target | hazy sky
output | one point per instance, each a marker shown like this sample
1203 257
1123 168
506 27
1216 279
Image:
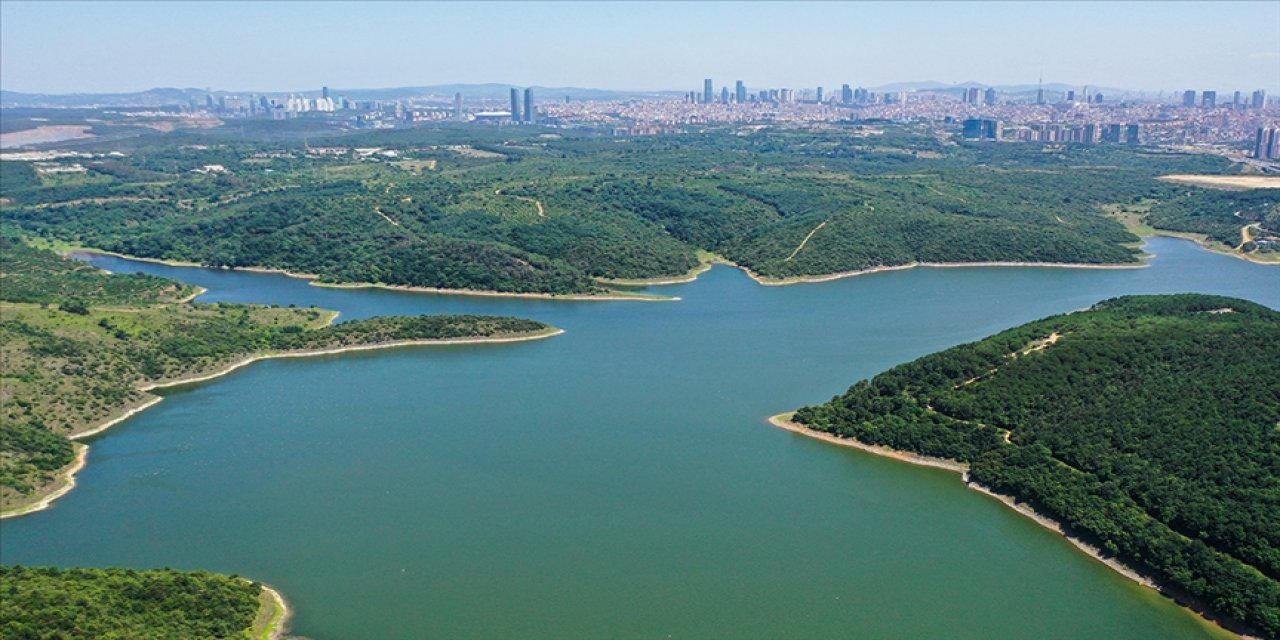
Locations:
61 47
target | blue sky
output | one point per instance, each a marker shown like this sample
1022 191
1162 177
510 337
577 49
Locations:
62 47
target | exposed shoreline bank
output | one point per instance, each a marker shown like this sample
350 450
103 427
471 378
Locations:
783 421
66 481
774 282
314 280
281 614
67 475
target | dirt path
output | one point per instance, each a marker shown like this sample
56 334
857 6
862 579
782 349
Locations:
806 240
378 210
542 213
1246 235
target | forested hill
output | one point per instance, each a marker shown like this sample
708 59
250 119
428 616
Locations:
1149 425
77 345
554 211
42 603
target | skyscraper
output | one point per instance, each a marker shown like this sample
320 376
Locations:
1131 134
1259 99
1209 99
457 106
1189 98
740 92
324 92
819 95
724 95
706 91
990 97
1265 146
846 94
528 105
515 105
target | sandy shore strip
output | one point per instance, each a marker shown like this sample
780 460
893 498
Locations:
570 297
198 292
347 349
705 262
314 280
66 482
69 474
783 421
773 282
277 624
129 413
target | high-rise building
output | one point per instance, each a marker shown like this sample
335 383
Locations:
1209 99
706 91
1189 98
1097 98
990 97
846 94
1267 144
1131 134
324 92
515 105
970 95
724 95
1259 99
1040 95
1089 133
819 95
1071 95
740 92
529 114
1111 133
457 106
1237 100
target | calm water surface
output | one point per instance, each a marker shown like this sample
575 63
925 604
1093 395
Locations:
616 481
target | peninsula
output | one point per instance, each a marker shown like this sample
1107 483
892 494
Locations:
127 603
1144 428
82 350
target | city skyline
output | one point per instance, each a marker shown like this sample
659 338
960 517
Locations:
236 47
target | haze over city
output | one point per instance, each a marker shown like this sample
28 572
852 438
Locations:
71 47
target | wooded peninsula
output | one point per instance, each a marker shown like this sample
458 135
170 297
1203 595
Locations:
1146 425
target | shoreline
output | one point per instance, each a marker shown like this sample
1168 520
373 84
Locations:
783 421
67 482
280 617
568 297
69 473
704 265
1208 244
314 280
840 275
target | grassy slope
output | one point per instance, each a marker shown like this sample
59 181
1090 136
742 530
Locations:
1148 425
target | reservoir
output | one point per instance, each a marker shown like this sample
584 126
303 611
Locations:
616 481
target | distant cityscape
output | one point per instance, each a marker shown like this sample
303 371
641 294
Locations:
1244 122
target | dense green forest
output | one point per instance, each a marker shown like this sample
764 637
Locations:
1220 215
76 344
1148 425
540 210
38 603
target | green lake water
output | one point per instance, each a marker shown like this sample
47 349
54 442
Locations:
617 481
